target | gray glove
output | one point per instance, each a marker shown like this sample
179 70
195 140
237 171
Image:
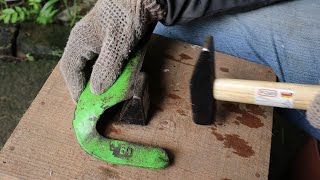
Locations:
313 113
111 29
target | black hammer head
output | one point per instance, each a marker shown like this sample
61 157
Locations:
201 86
135 110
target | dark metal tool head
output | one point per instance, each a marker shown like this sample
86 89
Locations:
135 110
201 86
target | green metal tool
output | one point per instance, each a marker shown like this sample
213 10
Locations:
90 107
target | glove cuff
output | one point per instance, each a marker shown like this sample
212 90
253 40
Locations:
313 113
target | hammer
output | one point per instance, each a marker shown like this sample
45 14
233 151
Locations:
205 89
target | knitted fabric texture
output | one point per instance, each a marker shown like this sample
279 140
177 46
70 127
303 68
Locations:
111 29
313 113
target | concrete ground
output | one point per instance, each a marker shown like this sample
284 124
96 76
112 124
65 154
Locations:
20 82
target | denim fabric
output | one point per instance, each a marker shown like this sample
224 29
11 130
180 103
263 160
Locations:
284 36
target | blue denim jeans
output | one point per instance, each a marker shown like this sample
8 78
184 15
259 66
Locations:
284 36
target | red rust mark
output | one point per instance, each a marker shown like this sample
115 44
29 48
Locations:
239 145
250 120
174 96
257 110
181 112
114 165
168 125
42 103
217 135
108 173
164 122
233 141
246 118
168 56
112 129
257 175
232 107
224 69
11 148
185 56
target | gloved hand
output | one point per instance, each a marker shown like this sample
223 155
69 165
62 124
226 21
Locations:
313 113
111 29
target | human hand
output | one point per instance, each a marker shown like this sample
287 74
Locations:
111 29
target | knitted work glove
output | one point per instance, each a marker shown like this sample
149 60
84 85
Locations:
111 29
313 113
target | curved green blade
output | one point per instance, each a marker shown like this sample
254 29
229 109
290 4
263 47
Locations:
88 111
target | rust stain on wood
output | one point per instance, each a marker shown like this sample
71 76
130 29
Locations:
250 120
257 175
11 148
182 58
217 135
224 69
239 145
168 56
185 56
257 110
108 173
168 124
246 118
174 96
181 112
233 141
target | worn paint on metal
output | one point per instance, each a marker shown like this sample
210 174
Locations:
88 111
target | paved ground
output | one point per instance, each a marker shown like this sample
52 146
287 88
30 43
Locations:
20 82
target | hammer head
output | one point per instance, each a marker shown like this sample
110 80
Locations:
135 110
201 86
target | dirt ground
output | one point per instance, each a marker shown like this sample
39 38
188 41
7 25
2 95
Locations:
20 82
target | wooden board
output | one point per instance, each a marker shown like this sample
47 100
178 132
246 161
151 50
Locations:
44 145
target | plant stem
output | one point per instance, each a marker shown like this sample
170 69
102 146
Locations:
68 9
5 4
75 12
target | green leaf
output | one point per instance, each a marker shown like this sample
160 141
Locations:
26 12
21 13
53 13
6 19
14 17
2 17
8 11
30 57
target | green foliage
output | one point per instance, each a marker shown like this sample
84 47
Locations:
14 15
73 15
29 57
34 6
57 53
29 10
47 13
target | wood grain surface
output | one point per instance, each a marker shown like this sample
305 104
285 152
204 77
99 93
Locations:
44 146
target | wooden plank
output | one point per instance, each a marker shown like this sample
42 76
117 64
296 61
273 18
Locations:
238 147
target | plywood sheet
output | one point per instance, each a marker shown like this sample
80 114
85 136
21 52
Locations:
44 145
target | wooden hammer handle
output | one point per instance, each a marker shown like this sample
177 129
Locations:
286 95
